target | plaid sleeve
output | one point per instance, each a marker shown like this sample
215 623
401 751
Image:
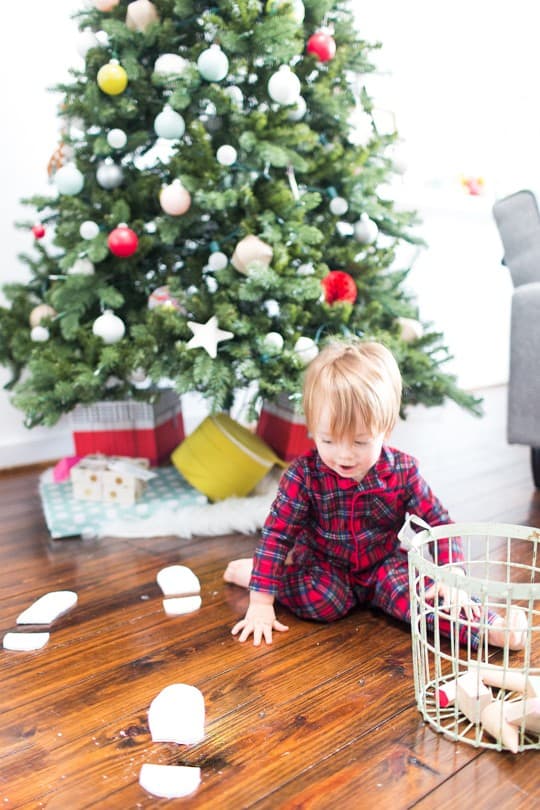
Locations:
286 519
424 503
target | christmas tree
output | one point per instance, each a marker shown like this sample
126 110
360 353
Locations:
214 215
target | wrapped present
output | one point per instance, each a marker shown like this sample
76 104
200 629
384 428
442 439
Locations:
223 459
115 479
129 428
283 427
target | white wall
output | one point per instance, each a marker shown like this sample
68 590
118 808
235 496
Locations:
463 88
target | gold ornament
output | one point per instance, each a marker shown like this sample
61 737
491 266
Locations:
140 14
112 78
251 249
39 314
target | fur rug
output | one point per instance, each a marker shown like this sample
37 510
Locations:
242 515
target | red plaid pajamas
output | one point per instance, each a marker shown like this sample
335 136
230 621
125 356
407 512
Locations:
343 538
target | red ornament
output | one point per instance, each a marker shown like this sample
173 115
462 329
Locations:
322 45
123 241
38 230
339 286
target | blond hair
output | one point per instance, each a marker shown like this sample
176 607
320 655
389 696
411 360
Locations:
361 384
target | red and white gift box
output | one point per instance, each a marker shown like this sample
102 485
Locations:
283 428
149 430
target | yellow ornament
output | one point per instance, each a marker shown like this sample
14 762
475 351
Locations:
112 78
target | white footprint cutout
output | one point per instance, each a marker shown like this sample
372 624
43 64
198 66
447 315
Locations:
169 781
25 642
48 608
177 715
178 605
179 582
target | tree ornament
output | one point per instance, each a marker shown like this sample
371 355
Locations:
306 349
109 174
39 334
294 9
297 112
339 286
273 342
169 124
123 241
251 249
170 64
139 378
410 329
322 45
69 180
82 267
284 86
338 206
213 64
272 308
109 327
89 229
235 94
116 138
40 313
305 269
86 41
106 5
365 230
140 14
112 79
226 155
218 260
161 298
175 199
207 336
38 230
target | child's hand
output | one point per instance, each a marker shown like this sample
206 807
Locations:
454 601
260 620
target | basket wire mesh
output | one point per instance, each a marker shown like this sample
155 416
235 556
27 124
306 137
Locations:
457 678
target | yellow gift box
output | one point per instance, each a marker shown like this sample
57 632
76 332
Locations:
222 458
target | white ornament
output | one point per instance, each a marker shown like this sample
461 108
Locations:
298 111
306 349
175 199
116 138
207 336
69 180
218 260
40 334
170 64
213 64
306 269
109 327
296 8
249 250
284 86
273 342
235 94
365 230
410 329
169 124
109 175
272 308
339 206
82 267
89 229
226 155
85 41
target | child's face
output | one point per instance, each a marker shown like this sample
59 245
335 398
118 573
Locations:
351 456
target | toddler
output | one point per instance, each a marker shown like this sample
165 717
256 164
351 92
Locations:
330 540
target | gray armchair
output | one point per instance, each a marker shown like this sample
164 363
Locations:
518 220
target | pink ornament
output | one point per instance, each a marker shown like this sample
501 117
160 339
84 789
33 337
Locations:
175 199
123 241
322 45
38 230
140 14
106 5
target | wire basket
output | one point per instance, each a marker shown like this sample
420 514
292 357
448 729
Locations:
465 688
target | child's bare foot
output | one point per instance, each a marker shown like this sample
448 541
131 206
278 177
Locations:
238 572
511 631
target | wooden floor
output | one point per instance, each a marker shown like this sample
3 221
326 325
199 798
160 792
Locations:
325 718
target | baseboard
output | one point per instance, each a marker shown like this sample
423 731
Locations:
21 453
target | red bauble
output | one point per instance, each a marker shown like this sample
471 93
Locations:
123 241
38 230
322 45
339 286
